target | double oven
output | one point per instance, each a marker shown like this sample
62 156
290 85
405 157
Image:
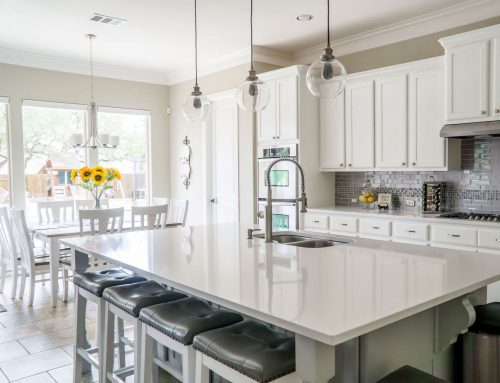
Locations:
284 185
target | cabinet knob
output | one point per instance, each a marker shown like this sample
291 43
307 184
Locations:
349 165
341 165
278 137
483 112
403 163
413 163
497 111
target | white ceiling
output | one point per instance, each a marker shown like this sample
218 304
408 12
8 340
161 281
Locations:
158 35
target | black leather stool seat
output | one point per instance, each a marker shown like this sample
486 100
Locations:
96 281
185 318
487 319
409 374
250 348
134 297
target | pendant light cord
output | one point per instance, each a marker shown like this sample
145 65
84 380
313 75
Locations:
251 35
196 43
91 70
328 21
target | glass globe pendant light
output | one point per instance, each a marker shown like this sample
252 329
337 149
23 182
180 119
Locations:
253 94
326 77
196 107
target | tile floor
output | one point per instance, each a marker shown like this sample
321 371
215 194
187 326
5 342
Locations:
36 342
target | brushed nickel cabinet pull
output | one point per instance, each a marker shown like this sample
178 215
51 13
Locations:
413 163
375 227
345 224
349 165
412 231
483 112
403 164
454 235
341 165
316 221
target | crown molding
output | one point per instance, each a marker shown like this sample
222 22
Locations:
455 16
55 63
242 56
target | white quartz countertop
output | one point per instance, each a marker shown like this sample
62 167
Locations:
399 214
329 294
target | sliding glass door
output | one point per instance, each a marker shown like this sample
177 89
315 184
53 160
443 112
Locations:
4 153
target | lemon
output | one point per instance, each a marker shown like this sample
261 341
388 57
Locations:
363 199
371 199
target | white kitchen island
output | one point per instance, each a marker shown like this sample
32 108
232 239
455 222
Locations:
358 310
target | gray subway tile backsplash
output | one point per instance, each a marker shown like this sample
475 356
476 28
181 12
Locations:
475 188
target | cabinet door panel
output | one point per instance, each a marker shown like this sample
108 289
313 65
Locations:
391 122
467 81
286 103
495 101
360 125
427 148
267 118
332 133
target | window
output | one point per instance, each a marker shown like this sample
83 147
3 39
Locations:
48 155
4 153
131 156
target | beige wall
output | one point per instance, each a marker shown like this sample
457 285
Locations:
406 51
179 127
18 83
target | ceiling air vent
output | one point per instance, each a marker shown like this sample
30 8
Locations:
107 19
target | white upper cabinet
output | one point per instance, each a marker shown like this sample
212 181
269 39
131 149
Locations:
472 70
360 124
426 115
332 133
391 121
279 120
467 81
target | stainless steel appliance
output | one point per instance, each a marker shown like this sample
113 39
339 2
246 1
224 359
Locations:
472 216
284 185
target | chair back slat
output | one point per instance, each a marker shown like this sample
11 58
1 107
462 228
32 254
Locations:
101 217
177 211
21 232
53 211
7 241
85 204
149 217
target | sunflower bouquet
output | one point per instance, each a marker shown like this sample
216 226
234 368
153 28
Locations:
96 180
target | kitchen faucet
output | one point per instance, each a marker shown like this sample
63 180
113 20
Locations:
269 206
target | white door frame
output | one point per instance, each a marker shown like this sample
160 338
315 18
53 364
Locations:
208 132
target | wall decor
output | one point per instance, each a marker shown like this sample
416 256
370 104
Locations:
185 157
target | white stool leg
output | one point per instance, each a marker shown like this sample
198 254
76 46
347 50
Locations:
101 333
147 357
3 275
79 335
137 350
109 349
121 346
23 282
32 288
65 273
202 372
189 365
15 271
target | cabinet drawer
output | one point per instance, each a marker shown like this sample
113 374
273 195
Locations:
489 239
344 224
316 221
411 230
375 227
454 235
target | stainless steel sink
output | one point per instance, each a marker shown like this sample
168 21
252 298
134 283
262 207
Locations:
285 238
316 243
313 241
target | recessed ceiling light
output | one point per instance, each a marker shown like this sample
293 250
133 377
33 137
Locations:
107 19
304 17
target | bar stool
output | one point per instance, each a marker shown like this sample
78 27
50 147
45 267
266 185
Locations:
89 286
245 352
174 325
126 302
409 374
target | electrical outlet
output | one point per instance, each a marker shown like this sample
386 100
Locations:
354 200
410 202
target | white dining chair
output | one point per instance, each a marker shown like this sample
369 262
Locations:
149 217
101 221
160 201
31 265
177 211
9 258
55 211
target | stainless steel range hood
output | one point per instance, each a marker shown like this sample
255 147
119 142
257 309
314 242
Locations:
473 129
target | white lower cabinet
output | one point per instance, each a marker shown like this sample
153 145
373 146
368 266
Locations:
454 235
411 231
318 222
344 225
489 239
375 227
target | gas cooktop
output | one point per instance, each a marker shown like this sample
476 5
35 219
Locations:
472 216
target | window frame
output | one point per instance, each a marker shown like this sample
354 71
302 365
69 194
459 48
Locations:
6 101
